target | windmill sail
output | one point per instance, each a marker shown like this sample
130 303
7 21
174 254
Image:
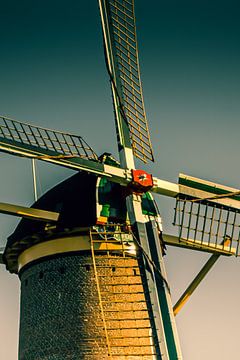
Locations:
53 146
207 214
19 135
118 21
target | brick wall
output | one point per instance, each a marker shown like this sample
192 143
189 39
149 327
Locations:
61 317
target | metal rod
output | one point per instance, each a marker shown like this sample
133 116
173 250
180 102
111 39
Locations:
197 280
189 220
34 179
1 255
211 224
197 219
182 221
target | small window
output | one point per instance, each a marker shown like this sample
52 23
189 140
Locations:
62 270
87 267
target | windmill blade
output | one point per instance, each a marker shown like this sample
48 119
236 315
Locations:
121 49
16 135
68 150
71 151
198 190
207 213
53 146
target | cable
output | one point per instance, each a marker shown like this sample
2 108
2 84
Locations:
158 271
220 196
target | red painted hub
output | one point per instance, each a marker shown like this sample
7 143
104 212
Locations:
142 181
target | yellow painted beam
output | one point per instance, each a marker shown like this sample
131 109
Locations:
31 213
196 281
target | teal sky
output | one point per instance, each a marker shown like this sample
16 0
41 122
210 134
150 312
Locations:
52 73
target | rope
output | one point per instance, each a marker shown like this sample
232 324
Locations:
220 196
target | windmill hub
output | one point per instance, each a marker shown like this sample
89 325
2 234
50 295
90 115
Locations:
141 181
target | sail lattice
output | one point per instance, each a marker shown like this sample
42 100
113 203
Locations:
124 51
204 223
14 132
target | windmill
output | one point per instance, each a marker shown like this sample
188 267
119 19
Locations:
194 226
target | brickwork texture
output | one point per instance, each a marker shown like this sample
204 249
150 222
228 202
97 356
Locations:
62 309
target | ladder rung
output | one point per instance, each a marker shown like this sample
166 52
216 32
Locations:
130 328
132 346
130 337
128 319
134 354
132 284
110 241
124 275
120 311
116 266
124 301
120 255
109 233
122 293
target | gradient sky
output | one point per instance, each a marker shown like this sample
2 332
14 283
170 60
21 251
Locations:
52 73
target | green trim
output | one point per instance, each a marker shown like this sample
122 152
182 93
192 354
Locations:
205 187
148 207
